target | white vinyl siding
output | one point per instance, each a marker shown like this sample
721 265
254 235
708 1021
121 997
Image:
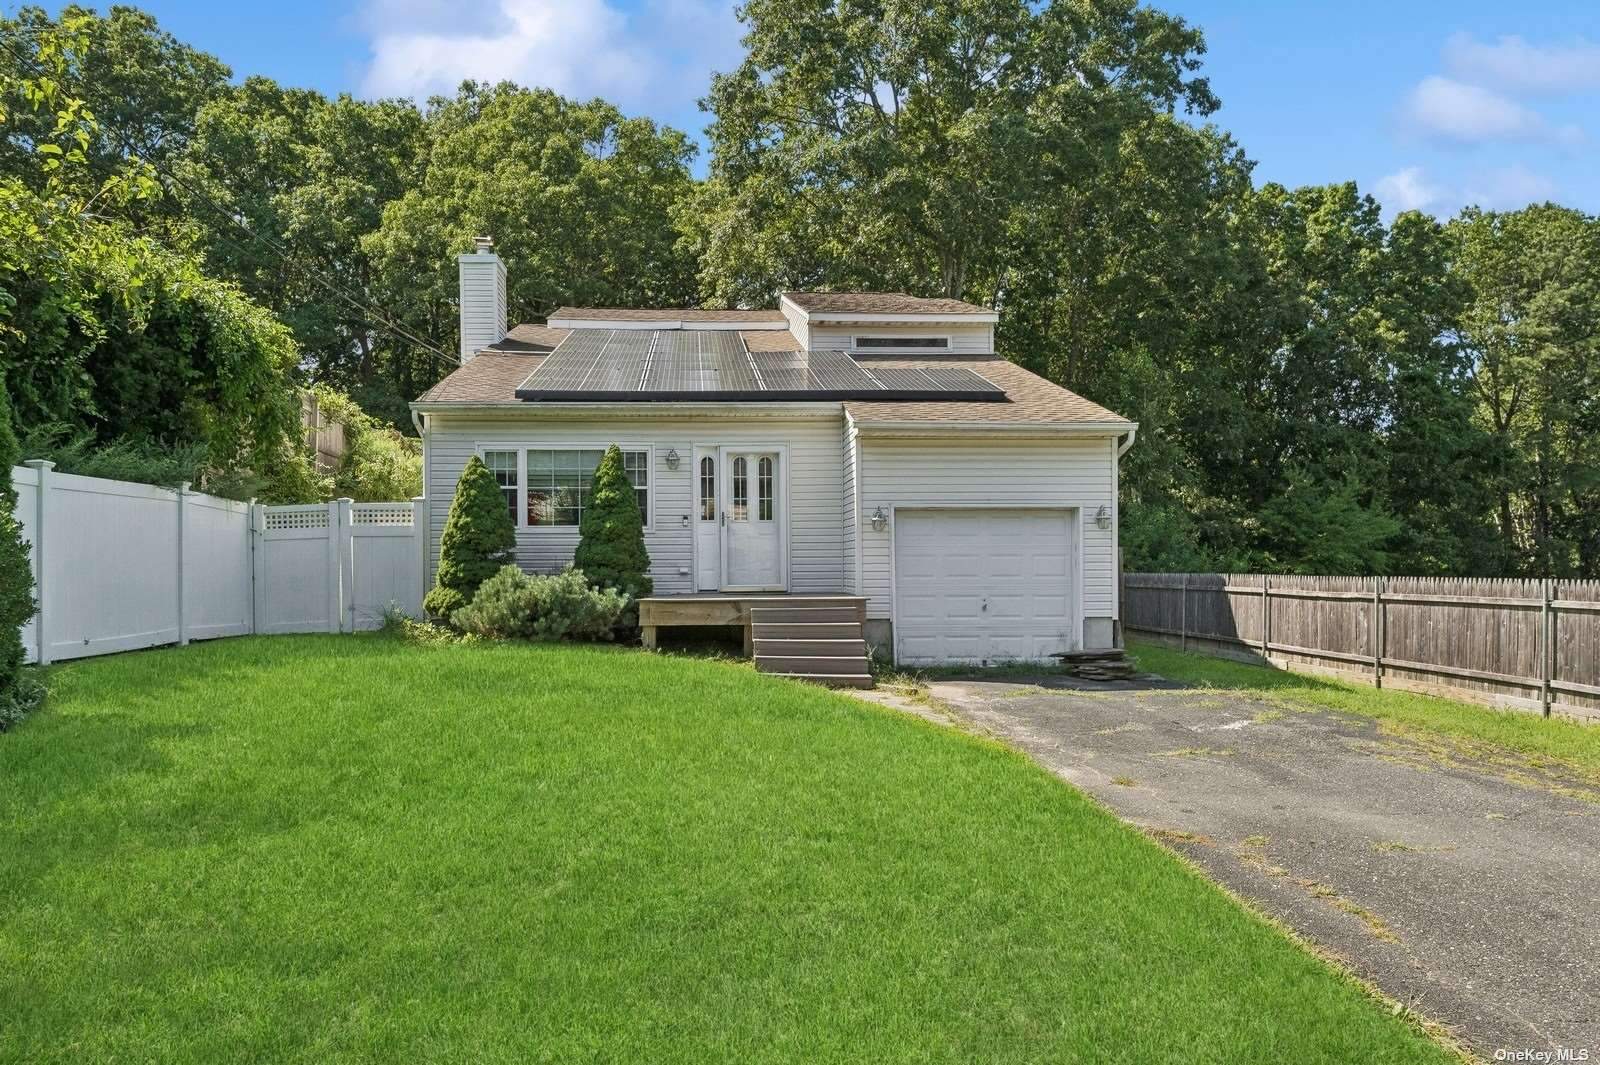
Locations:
975 339
815 503
852 510
976 472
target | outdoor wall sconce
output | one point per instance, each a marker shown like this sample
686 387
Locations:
1102 517
672 458
880 520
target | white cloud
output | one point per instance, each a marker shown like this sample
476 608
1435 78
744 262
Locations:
1408 189
657 56
1453 110
1500 189
1517 66
1508 188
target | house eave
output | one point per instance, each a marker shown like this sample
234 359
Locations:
591 411
1008 430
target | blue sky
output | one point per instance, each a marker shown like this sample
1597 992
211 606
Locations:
1426 104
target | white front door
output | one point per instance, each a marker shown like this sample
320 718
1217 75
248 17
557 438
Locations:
753 519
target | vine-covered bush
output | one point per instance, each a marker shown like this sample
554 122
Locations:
478 539
516 605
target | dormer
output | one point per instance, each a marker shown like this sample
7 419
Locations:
888 323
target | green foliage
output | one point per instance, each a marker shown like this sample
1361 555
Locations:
478 539
1532 329
18 694
141 461
611 550
1317 528
380 463
516 605
578 198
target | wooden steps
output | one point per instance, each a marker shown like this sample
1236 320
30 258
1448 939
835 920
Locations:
820 642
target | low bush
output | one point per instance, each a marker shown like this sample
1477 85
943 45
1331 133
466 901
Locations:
516 605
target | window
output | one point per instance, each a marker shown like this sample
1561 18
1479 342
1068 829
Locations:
764 489
708 489
741 490
503 464
561 483
902 343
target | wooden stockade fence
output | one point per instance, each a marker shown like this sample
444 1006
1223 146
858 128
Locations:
1524 643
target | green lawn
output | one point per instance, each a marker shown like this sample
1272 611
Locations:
334 849
1573 745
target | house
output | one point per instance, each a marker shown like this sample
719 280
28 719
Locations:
863 455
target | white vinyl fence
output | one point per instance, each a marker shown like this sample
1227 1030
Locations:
119 566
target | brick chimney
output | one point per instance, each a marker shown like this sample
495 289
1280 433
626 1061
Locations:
483 298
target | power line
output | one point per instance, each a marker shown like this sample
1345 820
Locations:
368 312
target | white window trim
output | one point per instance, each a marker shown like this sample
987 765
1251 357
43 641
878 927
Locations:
522 448
857 338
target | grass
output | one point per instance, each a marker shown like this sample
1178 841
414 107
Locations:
355 849
1569 744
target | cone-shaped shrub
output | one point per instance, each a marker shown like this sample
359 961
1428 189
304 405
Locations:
611 541
17 696
478 539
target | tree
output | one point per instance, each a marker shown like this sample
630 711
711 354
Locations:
611 551
17 694
1532 332
379 462
578 199
312 176
897 146
478 539
144 86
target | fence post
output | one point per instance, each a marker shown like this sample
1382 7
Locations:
250 555
1266 616
347 565
1183 625
41 468
258 567
1546 645
419 529
183 586
1377 632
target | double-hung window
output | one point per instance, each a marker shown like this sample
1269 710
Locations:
557 484
503 464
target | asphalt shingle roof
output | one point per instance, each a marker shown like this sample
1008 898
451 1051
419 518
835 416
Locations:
878 303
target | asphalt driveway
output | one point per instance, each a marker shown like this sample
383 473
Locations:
1462 881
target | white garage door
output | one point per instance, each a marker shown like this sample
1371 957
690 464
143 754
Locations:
983 586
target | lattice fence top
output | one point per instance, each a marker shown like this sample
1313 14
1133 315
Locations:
311 517
381 514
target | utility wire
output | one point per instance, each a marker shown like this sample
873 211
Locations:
368 312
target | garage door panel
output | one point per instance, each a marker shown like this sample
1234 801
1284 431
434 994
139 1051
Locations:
983 585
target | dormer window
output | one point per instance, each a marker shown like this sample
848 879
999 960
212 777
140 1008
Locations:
900 343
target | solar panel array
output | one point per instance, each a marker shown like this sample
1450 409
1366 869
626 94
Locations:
701 364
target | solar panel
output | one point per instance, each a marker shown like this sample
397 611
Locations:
643 365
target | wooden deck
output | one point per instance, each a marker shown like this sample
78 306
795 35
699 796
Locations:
731 608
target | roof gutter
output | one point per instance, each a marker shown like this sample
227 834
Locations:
1125 444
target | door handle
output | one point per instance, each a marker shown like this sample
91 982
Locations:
724 517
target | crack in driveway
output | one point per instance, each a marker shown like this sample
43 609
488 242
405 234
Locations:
1460 880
